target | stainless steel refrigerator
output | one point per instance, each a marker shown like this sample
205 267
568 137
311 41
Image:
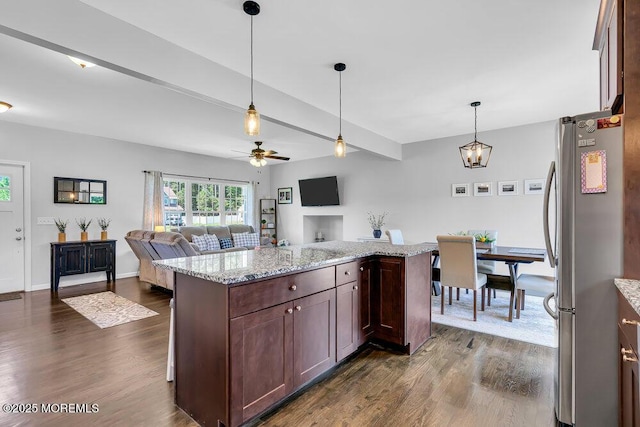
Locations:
584 242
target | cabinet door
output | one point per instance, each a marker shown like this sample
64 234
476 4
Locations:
347 319
314 342
365 283
628 383
261 360
72 259
100 256
389 297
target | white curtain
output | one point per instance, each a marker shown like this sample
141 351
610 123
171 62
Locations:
252 205
153 208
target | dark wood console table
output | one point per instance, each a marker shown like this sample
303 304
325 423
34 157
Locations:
80 257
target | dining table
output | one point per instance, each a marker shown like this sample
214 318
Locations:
512 256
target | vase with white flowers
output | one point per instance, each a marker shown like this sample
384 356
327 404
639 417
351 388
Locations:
376 222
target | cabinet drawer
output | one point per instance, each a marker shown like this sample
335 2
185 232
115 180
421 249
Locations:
258 295
628 321
346 273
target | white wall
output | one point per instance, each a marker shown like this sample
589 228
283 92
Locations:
55 153
416 192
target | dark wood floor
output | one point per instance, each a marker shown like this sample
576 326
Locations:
51 354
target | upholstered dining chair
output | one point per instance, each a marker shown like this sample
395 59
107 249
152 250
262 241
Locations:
459 268
534 284
395 237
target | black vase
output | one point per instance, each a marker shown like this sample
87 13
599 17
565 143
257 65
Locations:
377 233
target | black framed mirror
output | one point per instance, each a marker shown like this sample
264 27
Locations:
79 191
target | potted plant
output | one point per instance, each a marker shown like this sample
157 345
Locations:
104 224
264 223
483 240
84 225
376 222
62 227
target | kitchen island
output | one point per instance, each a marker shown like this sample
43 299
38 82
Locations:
253 327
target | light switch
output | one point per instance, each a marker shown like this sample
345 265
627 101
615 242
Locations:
45 220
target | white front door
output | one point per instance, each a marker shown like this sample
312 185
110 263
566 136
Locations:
12 258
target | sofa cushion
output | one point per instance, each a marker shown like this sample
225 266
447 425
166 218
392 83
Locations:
219 230
240 228
200 242
225 243
247 240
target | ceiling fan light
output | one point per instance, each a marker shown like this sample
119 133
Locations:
5 106
252 121
81 62
258 162
340 149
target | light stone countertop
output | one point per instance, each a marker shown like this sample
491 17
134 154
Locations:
630 289
237 267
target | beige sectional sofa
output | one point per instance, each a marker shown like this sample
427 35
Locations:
149 246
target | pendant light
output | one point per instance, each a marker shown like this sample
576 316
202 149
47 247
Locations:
475 154
251 117
340 149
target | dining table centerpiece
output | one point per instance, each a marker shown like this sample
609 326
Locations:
484 241
376 222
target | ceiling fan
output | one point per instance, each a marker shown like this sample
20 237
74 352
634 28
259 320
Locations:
258 155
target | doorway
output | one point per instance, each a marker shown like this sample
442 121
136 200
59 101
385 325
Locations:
12 234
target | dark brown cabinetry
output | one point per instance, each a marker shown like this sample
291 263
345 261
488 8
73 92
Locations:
347 309
92 256
628 366
242 349
609 43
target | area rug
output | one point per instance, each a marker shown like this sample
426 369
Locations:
534 326
9 296
106 309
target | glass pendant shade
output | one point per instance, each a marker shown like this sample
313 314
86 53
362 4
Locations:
252 121
340 149
475 154
258 162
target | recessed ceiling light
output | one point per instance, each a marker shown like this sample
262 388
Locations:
4 106
81 62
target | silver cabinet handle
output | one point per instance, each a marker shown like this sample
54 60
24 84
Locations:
293 287
289 310
630 322
298 308
18 238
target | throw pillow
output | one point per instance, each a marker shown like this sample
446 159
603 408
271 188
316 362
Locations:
225 243
246 240
200 242
212 242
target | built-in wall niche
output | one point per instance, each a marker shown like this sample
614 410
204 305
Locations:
79 191
321 227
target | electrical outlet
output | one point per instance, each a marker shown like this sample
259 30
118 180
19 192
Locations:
45 220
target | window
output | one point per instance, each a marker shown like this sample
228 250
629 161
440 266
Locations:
5 189
193 202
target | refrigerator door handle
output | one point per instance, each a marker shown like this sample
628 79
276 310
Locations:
545 215
545 303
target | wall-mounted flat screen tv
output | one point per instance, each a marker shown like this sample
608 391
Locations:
319 191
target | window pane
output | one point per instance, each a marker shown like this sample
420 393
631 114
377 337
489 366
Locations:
234 204
174 207
5 189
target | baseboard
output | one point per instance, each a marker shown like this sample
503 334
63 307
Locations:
64 281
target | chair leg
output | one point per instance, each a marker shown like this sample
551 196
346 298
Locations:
457 294
450 295
482 299
518 303
522 299
467 291
511 298
441 299
494 293
489 298
475 304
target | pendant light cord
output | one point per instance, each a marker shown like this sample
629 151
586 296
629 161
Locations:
475 136
340 85
251 59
